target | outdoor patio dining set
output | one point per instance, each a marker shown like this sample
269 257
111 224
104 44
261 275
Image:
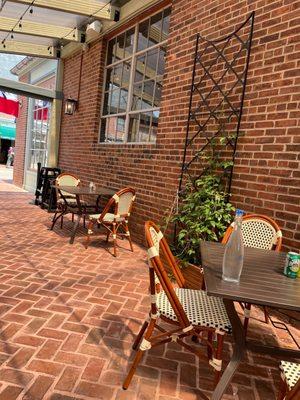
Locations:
177 311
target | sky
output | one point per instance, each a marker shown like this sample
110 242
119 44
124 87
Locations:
7 62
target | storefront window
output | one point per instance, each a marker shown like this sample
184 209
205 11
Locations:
38 151
134 75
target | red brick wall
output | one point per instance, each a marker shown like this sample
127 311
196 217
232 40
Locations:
266 176
21 130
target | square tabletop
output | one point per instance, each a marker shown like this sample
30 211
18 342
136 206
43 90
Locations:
86 190
262 280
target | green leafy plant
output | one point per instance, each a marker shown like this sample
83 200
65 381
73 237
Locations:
204 214
204 211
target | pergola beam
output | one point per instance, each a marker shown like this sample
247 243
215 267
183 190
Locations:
29 49
42 30
80 7
2 3
25 89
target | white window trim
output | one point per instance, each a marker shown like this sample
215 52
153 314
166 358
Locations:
133 58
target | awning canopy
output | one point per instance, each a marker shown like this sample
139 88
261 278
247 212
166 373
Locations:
7 132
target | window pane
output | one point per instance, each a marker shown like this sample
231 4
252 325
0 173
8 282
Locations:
133 132
145 123
147 100
109 75
161 61
140 68
157 94
126 74
155 29
107 133
129 41
123 101
39 133
154 125
151 63
111 51
114 101
143 35
117 75
166 23
120 45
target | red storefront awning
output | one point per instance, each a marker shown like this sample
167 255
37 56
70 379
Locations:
7 106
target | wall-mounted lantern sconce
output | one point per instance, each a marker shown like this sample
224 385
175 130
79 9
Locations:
70 106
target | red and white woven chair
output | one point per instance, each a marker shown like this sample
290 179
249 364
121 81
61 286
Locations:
121 204
290 381
261 232
187 312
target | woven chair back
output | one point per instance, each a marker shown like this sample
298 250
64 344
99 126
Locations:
159 249
125 201
66 179
259 231
121 203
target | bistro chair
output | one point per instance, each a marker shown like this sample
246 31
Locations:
66 202
188 312
261 232
290 381
121 205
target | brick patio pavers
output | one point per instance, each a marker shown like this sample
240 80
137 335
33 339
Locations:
69 316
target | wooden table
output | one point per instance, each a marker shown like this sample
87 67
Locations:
78 191
262 282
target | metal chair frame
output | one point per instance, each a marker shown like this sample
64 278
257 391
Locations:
120 221
181 328
65 207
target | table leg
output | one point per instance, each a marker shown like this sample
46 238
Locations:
72 238
238 350
79 215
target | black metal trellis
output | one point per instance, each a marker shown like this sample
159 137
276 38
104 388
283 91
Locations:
216 97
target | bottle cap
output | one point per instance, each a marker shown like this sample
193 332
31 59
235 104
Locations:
239 213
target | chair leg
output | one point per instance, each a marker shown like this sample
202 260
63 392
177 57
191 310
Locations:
138 356
90 231
210 347
219 352
107 235
61 222
114 233
140 335
84 221
56 217
128 235
54 220
282 390
247 311
266 315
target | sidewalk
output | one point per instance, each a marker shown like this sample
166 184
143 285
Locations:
69 317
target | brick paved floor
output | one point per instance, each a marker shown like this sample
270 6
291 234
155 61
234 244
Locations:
69 317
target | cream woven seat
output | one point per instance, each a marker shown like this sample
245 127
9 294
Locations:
290 373
261 232
121 203
109 217
200 308
71 200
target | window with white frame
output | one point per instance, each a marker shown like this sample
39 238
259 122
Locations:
134 72
38 149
